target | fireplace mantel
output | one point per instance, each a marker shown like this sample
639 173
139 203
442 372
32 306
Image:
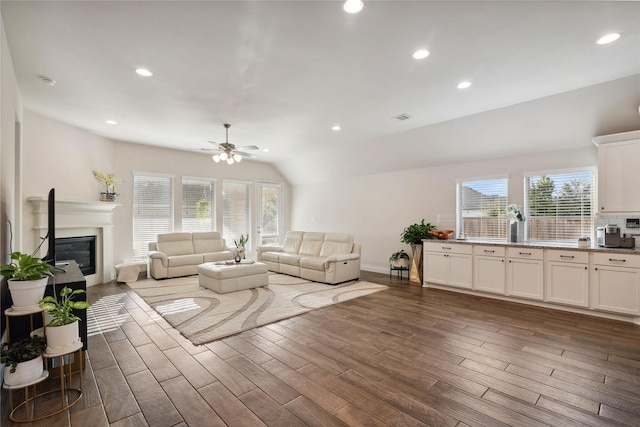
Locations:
74 219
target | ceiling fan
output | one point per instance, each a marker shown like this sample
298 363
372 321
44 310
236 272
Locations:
228 152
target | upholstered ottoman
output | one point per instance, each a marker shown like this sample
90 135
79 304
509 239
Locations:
223 278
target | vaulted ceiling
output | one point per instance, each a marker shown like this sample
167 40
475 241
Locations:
284 72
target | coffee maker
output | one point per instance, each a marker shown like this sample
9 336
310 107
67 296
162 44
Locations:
608 236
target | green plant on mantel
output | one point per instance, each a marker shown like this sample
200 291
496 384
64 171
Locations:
413 234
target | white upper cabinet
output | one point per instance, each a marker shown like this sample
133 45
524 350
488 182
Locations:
619 172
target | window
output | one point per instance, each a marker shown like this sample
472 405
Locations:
270 213
558 206
236 212
198 204
481 208
152 210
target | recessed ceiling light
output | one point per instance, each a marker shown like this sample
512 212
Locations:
353 6
265 150
608 38
111 122
336 128
420 54
463 85
144 72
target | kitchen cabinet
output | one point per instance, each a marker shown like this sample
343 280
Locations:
525 269
615 283
448 264
618 173
489 269
567 277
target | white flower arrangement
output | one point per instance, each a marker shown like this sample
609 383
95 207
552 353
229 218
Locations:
514 213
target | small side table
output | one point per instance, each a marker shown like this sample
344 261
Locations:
27 399
399 271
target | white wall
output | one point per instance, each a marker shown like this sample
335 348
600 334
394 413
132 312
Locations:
377 208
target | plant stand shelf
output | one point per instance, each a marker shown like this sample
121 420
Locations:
399 271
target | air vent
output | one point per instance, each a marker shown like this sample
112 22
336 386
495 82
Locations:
402 117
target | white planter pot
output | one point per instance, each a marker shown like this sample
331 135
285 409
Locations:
400 263
27 293
25 373
61 338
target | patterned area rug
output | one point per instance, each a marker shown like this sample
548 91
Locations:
202 315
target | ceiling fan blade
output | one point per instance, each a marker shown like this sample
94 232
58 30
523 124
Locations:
247 155
248 147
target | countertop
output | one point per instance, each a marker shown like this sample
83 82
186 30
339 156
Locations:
539 245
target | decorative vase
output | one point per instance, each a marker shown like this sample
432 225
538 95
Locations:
400 263
26 294
516 232
108 197
62 338
26 372
415 272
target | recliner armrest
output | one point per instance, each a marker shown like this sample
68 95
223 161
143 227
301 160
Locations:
160 256
342 257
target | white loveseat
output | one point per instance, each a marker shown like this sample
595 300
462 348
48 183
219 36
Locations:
321 257
179 254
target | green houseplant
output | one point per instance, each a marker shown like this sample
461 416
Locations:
413 235
28 278
23 360
399 259
240 244
62 331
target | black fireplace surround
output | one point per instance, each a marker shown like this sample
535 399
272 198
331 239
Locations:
81 249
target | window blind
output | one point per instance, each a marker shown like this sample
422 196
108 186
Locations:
236 211
270 213
481 208
559 206
198 204
152 210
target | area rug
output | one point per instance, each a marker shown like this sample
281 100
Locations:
202 315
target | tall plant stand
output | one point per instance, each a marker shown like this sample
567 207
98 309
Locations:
415 272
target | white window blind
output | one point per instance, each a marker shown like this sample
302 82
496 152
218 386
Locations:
236 211
198 204
481 208
558 206
152 210
270 216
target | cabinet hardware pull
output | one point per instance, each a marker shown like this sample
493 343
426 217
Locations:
446 247
617 260
487 251
567 256
585 268
524 253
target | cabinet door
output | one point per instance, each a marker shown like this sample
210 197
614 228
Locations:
460 270
525 278
567 283
489 274
435 268
615 289
617 173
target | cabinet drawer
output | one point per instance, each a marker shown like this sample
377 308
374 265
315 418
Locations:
489 250
616 259
525 253
445 247
568 256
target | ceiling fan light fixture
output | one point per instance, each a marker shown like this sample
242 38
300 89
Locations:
230 161
216 158
237 158
223 156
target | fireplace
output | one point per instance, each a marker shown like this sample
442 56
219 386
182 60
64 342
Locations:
81 249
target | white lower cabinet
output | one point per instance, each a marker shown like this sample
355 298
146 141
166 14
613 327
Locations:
489 269
525 268
567 278
615 283
448 264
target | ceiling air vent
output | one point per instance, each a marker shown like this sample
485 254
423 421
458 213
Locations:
402 117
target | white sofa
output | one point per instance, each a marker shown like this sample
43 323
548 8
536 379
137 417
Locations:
179 254
321 257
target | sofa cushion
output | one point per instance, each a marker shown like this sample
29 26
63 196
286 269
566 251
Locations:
313 263
271 256
175 244
207 242
290 259
292 241
180 260
311 244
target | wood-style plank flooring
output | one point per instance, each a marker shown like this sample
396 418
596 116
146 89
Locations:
406 356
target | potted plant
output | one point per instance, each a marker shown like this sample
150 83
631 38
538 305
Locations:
28 278
110 182
23 360
240 244
399 259
62 331
413 235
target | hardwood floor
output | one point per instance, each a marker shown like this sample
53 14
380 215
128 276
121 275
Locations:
401 357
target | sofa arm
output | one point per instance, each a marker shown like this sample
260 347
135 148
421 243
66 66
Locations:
160 256
261 249
341 257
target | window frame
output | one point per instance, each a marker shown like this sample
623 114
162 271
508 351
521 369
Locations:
213 212
500 228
